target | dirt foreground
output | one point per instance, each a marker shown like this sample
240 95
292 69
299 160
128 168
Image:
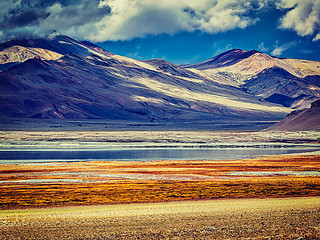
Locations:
289 218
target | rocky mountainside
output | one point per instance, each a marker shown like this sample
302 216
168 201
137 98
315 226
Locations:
59 77
290 82
301 120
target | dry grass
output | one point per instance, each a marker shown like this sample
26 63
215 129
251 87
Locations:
132 182
35 195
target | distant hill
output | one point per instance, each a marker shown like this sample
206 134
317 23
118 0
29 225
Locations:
60 77
308 119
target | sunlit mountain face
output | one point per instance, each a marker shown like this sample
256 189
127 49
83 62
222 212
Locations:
59 77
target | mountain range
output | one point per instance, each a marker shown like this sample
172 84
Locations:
59 77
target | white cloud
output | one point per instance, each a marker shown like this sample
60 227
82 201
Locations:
138 18
303 16
262 48
129 19
316 38
280 49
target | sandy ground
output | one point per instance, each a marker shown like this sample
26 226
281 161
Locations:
29 140
289 218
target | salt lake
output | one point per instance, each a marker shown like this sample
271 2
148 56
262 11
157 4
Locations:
149 154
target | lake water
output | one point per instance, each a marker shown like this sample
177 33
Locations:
142 154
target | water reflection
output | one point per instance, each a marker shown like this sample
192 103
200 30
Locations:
142 154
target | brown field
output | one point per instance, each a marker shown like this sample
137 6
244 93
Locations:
87 183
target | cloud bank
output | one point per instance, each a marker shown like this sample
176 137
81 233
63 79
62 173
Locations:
101 20
20 18
138 18
303 17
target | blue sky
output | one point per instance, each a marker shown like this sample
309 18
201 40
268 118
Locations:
180 31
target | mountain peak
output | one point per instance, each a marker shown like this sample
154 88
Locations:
225 59
48 48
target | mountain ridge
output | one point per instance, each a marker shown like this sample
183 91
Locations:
224 59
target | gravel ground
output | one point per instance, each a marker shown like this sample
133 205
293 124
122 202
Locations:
289 218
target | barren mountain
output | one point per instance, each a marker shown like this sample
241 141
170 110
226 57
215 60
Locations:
60 77
308 119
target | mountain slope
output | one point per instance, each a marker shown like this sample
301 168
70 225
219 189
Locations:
302 120
276 84
265 76
89 82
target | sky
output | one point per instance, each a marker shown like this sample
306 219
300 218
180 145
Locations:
179 31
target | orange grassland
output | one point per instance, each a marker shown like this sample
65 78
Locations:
90 183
